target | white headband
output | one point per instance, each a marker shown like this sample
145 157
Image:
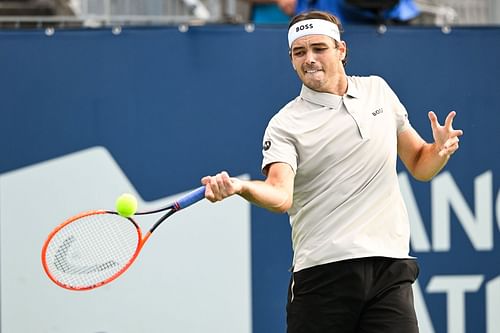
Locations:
313 27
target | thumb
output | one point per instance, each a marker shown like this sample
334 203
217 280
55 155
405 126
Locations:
205 180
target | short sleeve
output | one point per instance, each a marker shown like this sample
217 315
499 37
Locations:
278 146
398 109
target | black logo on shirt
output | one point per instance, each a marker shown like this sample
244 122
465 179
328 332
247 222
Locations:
267 145
378 111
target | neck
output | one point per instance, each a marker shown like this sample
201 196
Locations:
339 86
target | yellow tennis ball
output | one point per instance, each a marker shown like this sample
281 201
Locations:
126 205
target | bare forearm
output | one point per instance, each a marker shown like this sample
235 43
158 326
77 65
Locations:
428 163
425 160
271 197
274 194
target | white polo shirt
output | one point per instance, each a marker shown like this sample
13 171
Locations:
343 149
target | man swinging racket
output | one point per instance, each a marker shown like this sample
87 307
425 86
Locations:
329 157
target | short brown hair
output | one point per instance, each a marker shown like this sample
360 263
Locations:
316 14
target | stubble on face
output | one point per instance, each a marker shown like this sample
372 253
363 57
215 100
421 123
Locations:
317 62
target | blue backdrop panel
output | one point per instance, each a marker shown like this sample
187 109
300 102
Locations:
172 107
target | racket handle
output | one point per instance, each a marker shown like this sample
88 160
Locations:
191 198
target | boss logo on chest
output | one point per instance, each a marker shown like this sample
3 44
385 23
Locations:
304 27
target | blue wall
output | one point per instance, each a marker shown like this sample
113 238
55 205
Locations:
197 102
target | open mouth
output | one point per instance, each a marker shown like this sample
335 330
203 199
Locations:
312 71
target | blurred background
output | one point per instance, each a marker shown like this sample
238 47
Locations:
16 13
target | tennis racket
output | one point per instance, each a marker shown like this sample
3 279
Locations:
93 248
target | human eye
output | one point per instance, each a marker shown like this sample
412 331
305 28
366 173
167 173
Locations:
298 52
320 49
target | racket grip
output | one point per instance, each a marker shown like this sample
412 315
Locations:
191 198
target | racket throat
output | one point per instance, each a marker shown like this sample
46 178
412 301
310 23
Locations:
163 218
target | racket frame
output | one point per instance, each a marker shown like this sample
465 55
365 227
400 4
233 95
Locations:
140 243
185 201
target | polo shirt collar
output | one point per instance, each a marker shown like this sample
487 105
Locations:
352 90
326 99
323 99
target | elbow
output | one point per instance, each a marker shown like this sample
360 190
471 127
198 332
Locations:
280 210
283 207
422 176
419 173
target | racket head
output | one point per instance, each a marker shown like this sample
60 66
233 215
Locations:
91 249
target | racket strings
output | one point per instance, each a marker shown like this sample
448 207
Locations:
91 250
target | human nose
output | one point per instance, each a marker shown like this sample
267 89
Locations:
310 57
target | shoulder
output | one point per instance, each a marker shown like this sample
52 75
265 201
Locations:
371 85
286 113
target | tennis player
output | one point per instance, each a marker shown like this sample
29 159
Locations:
329 157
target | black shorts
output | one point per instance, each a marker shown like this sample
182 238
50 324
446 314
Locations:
367 295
